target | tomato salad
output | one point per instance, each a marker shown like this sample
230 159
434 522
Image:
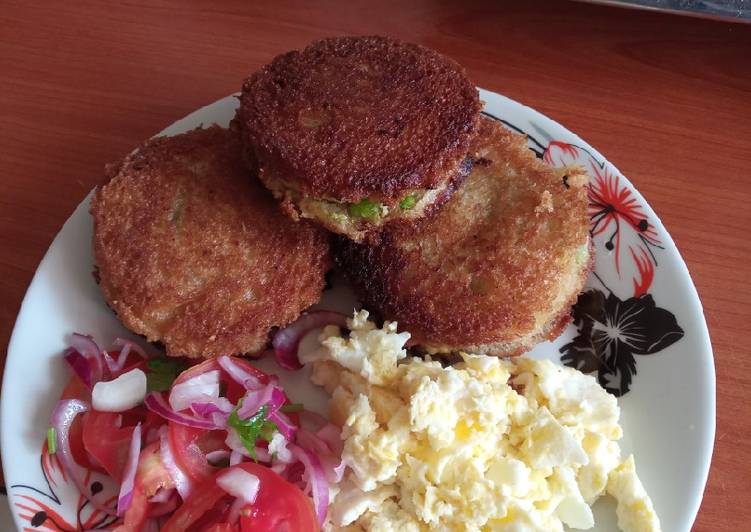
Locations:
210 446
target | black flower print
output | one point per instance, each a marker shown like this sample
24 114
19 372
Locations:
612 331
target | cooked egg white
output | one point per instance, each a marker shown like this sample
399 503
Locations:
488 444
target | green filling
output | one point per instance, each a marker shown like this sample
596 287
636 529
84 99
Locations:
251 429
367 209
408 202
177 208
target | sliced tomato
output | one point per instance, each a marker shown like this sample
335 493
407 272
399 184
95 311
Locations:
223 527
151 476
203 499
234 390
107 442
107 436
279 507
190 447
76 389
135 516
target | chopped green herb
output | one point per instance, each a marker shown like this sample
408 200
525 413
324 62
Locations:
162 373
408 202
251 429
51 440
292 407
365 209
177 208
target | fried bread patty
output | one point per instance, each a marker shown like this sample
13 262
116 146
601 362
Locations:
354 132
497 269
195 254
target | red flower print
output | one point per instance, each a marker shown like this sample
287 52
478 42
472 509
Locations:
44 509
560 154
614 212
646 270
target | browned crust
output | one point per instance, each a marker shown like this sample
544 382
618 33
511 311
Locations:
493 270
353 117
551 330
195 254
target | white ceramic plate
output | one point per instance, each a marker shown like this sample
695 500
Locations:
641 313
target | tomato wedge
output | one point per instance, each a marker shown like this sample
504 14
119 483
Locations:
107 441
151 476
223 527
99 454
191 445
279 507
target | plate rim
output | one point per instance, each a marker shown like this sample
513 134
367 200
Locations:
702 332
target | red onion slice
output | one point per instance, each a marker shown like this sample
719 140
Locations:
80 365
313 443
120 343
285 426
339 471
157 404
312 420
270 395
238 449
182 483
287 341
199 388
239 374
218 405
235 457
316 477
328 445
90 350
62 419
125 497
220 420
124 347
332 436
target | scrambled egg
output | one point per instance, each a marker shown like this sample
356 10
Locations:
487 444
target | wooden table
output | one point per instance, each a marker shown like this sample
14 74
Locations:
666 98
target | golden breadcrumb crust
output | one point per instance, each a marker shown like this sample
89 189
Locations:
349 118
497 269
193 252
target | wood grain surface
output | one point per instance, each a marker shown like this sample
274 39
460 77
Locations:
667 99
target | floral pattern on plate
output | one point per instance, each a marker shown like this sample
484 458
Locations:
611 330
